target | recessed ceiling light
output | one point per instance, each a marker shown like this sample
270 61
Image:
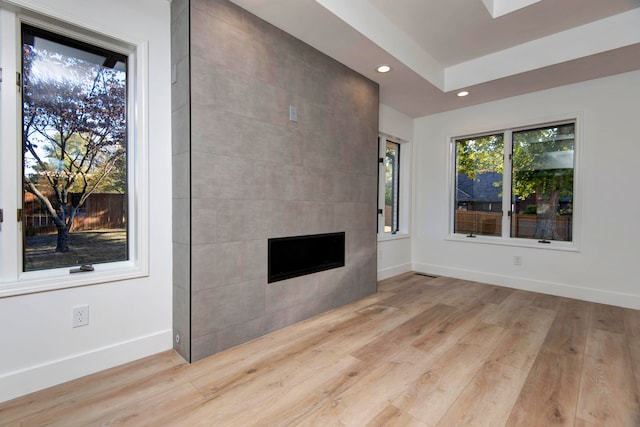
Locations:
463 93
383 68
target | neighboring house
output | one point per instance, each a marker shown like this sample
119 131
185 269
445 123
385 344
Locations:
479 193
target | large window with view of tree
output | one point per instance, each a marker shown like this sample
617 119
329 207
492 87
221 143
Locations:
527 194
542 183
74 136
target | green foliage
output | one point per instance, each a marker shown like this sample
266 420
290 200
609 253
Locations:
543 162
475 156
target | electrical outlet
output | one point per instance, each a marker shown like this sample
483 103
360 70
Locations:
517 260
80 316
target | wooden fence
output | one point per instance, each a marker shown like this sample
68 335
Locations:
478 222
490 223
99 212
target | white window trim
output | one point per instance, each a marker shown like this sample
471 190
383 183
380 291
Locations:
405 188
13 281
506 240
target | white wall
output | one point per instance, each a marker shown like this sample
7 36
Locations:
605 268
128 319
394 252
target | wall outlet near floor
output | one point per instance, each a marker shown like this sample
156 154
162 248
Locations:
80 315
517 260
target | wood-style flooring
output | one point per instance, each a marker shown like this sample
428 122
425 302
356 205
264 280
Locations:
423 351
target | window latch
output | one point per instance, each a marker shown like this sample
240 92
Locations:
380 160
19 216
1 215
544 241
379 211
82 269
471 235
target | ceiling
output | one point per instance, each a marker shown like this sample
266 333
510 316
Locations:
438 47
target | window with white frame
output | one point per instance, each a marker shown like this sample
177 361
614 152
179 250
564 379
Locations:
72 156
516 183
393 187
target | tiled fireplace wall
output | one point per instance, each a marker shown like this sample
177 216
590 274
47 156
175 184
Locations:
243 173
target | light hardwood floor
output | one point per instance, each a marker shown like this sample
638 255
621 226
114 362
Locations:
423 351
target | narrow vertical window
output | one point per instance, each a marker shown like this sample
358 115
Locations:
74 136
392 187
542 183
478 185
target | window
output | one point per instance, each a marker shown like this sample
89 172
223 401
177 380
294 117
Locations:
391 187
74 135
478 198
526 194
73 155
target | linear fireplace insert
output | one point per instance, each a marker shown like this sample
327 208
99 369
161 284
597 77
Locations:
299 255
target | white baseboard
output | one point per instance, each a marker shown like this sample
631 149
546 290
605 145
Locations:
385 273
559 289
29 380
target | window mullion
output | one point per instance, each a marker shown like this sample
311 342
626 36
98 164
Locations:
507 185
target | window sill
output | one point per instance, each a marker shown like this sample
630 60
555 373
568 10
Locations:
520 243
388 236
59 279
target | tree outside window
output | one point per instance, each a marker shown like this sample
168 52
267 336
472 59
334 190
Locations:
74 99
543 181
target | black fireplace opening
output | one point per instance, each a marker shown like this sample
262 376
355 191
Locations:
299 255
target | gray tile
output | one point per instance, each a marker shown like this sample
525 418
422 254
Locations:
215 131
216 221
241 333
204 221
222 264
355 216
291 292
181 175
270 143
229 91
203 346
222 177
291 182
216 265
333 281
178 7
181 267
256 259
217 41
221 9
181 221
179 30
181 321
180 90
219 308
180 130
